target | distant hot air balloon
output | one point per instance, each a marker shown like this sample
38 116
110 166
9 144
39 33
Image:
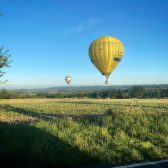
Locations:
105 53
68 79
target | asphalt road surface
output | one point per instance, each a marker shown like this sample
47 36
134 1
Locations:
154 164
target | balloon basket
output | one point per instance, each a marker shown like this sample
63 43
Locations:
106 81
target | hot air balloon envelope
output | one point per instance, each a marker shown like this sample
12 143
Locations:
105 53
68 79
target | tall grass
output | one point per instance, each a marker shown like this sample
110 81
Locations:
129 131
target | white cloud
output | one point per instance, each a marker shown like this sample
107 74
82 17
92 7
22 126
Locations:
82 26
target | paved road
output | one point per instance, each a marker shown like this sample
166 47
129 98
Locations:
155 164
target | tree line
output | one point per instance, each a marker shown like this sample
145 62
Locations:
135 92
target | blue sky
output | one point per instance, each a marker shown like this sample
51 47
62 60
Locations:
49 39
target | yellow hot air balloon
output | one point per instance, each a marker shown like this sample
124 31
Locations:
105 53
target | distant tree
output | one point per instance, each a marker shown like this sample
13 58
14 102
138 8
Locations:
79 95
157 92
164 93
93 95
119 94
137 92
4 59
4 94
115 93
125 93
105 94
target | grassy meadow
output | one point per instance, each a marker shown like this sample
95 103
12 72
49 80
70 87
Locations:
75 132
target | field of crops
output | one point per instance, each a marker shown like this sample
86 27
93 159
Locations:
75 132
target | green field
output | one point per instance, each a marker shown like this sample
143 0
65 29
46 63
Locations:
82 131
